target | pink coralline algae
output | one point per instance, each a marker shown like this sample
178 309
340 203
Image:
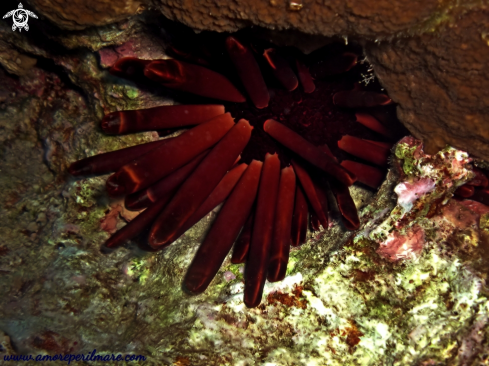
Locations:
465 213
425 212
409 192
109 222
403 246
229 276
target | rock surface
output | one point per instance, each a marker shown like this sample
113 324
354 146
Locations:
335 18
440 82
81 14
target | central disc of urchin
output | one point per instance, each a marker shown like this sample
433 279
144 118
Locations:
312 115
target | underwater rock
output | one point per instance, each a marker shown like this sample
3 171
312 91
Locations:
439 81
340 302
82 14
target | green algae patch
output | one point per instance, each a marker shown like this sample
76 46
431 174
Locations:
405 153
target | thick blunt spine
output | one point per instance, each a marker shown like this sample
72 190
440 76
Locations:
258 257
112 161
370 122
366 150
249 72
141 199
217 196
242 244
224 231
310 191
160 162
366 174
159 118
199 185
308 151
193 79
282 228
281 69
305 77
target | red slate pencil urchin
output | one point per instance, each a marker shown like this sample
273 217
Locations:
272 169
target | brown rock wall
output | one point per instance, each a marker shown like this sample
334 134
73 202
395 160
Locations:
367 18
79 14
440 82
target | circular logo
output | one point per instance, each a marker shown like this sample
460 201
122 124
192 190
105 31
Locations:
20 18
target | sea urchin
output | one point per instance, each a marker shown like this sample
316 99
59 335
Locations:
272 168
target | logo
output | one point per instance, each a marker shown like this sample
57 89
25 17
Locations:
20 17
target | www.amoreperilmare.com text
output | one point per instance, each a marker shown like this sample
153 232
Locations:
68 358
